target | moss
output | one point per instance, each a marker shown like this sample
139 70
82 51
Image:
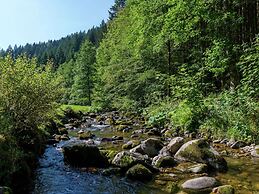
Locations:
126 160
109 154
139 172
193 152
86 135
172 187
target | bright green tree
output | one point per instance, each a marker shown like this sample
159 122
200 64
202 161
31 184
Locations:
84 75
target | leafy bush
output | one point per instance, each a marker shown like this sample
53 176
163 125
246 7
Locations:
28 93
157 114
232 115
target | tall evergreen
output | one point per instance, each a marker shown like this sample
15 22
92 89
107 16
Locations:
84 75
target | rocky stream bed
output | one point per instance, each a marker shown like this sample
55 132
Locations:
118 153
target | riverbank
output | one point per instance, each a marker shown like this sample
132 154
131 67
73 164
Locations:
115 133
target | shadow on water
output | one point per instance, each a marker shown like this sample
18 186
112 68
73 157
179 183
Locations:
55 177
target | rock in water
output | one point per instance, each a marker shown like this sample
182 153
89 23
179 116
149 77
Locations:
150 147
80 154
127 159
200 185
140 173
199 151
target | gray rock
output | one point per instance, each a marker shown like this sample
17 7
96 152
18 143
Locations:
150 147
200 184
164 151
175 144
80 154
198 168
199 151
163 161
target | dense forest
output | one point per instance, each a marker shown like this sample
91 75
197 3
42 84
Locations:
59 51
189 65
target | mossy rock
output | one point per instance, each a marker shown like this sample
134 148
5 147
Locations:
109 154
126 159
110 121
140 173
200 151
86 135
225 189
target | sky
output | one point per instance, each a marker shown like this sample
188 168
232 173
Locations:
29 21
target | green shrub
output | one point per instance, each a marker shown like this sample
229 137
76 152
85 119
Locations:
28 93
232 115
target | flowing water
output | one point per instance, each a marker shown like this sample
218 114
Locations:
55 177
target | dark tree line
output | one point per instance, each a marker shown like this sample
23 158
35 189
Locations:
59 51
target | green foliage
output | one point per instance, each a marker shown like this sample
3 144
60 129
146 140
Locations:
182 115
232 115
9 159
170 58
249 65
78 108
28 93
66 70
84 75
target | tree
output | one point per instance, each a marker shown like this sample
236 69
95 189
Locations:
114 10
84 75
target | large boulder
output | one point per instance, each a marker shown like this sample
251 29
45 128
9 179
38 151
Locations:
255 152
200 151
150 147
139 172
127 159
81 154
200 185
